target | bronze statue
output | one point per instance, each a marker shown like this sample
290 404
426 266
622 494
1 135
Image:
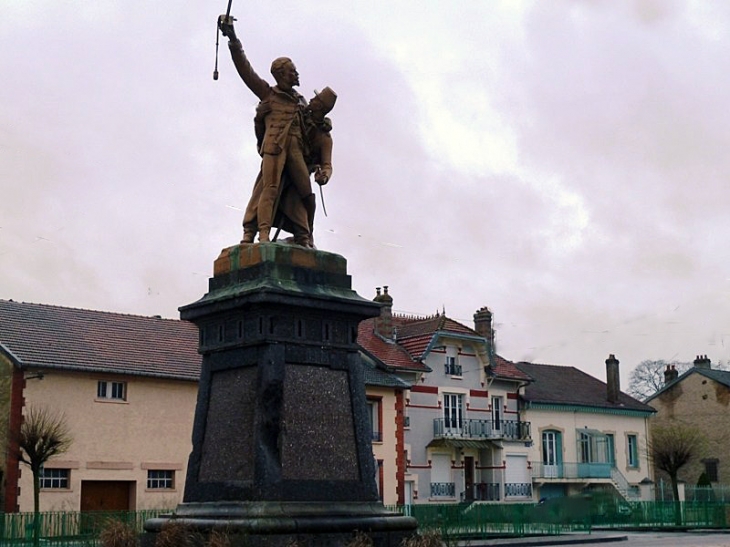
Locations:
293 140
296 205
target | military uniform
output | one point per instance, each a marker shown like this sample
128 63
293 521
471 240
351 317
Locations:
281 146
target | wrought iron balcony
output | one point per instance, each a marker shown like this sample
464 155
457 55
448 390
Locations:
443 489
483 491
517 490
481 429
571 470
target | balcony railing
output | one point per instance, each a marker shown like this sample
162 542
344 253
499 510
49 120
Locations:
443 489
481 429
517 490
571 470
483 491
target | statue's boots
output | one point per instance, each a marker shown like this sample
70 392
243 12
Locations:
310 205
249 233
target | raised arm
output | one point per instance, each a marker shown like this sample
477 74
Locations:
253 81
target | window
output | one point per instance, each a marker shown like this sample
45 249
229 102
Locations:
376 419
453 412
160 479
452 367
116 391
632 444
611 446
54 478
497 413
711 469
584 447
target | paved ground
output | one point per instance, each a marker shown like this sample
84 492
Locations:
621 539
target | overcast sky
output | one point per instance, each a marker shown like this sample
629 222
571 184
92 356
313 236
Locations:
564 163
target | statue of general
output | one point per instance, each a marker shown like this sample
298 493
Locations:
293 139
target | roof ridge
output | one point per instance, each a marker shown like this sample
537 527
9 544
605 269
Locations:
104 312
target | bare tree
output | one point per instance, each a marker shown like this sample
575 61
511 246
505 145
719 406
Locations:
43 435
672 446
648 377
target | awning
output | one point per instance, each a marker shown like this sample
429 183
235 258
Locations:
462 443
591 432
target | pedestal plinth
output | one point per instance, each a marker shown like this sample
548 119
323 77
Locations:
281 438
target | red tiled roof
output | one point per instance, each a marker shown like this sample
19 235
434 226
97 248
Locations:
507 369
389 353
408 327
44 336
414 334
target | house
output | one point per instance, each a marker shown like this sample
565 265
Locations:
385 395
465 438
127 386
700 397
588 435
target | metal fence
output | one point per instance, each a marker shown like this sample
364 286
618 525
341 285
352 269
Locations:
479 520
562 515
67 528
457 520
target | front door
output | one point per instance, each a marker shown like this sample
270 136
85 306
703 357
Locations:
469 478
105 496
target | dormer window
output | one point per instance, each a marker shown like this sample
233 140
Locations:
452 367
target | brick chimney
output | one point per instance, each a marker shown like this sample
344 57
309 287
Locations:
670 374
702 361
384 323
613 382
483 326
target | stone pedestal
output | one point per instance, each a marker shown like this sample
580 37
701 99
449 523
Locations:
281 439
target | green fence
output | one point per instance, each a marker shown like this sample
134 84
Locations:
564 515
67 528
476 520
664 514
472 520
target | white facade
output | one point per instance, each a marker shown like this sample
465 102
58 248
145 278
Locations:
466 440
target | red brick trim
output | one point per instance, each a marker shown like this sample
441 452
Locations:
12 468
400 448
425 389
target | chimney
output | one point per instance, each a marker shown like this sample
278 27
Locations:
483 326
384 323
702 361
668 375
613 383
675 373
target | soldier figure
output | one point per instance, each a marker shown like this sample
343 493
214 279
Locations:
280 125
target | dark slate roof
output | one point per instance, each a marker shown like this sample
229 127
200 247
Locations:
719 376
376 376
564 385
44 336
